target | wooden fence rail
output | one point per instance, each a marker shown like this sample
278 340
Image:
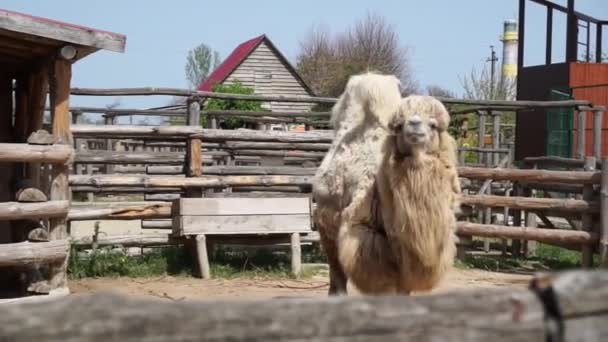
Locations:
27 153
28 253
502 315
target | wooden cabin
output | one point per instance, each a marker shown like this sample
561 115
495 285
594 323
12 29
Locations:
36 57
259 64
582 75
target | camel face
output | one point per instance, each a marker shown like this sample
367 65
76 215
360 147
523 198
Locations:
417 124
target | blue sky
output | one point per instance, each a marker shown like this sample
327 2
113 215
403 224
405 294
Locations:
446 37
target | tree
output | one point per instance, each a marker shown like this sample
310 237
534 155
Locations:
478 86
438 91
220 104
326 61
200 62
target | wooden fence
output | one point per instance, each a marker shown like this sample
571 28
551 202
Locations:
165 162
565 307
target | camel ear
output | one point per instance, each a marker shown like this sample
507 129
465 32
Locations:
441 115
395 125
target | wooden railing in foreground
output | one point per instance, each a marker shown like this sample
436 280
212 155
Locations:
565 307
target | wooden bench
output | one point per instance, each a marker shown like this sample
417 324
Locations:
269 220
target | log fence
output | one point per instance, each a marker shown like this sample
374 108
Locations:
168 162
569 306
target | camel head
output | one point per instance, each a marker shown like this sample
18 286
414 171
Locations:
417 124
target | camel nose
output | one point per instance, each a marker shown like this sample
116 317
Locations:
415 120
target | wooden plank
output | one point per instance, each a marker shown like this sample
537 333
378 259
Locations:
587 219
530 203
245 224
127 131
101 181
27 153
202 256
296 255
504 315
30 253
20 211
558 236
146 91
243 206
122 211
23 23
129 157
540 176
136 240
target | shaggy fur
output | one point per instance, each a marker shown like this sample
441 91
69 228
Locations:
397 232
346 176
419 191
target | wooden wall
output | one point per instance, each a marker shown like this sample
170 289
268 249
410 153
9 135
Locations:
264 71
6 135
589 81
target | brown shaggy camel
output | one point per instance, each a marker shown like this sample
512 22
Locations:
387 191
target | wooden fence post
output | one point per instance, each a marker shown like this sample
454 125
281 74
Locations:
587 219
516 244
603 248
59 81
481 133
496 118
597 133
581 129
109 120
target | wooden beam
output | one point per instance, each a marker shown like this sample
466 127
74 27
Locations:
540 176
147 240
227 96
559 236
498 315
121 211
35 26
27 153
20 211
59 86
531 203
128 131
194 182
30 253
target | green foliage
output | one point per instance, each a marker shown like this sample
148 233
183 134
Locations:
220 104
547 258
200 62
226 262
108 263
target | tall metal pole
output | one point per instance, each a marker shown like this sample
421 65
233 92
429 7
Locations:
493 59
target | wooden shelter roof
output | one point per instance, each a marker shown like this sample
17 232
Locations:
25 39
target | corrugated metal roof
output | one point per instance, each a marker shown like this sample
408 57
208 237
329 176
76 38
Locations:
239 55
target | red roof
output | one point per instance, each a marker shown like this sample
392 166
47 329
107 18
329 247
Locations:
238 56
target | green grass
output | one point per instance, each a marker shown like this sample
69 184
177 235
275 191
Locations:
225 262
547 258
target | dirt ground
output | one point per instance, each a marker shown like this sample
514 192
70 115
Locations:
179 288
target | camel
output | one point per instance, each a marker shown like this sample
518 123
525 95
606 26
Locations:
387 191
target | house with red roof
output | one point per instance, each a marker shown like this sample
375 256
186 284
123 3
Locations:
259 64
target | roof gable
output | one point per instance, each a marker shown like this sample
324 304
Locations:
239 55
21 23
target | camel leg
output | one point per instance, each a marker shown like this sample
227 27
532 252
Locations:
337 277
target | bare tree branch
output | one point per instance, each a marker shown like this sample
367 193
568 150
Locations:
326 61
